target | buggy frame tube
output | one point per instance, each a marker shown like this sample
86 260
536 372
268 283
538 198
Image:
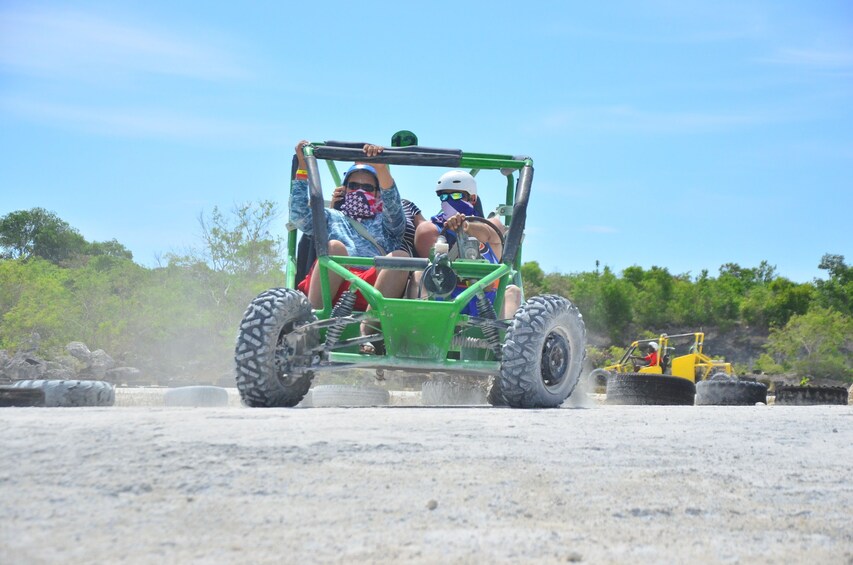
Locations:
519 215
316 203
290 266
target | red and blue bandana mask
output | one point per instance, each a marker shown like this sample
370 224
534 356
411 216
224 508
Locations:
361 205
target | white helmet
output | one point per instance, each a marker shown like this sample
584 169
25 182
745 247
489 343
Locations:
653 345
457 180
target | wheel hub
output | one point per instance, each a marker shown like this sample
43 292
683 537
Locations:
555 359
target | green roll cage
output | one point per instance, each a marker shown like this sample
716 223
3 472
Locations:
419 334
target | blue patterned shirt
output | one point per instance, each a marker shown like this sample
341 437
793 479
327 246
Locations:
387 227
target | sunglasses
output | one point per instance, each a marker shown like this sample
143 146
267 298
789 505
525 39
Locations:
445 196
361 186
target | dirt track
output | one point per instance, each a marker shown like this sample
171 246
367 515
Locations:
427 485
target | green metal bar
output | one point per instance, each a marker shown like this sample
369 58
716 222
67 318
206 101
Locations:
334 170
468 294
491 163
484 368
330 263
510 198
290 265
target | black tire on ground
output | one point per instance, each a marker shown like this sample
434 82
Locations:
15 396
598 378
730 393
810 395
270 367
70 393
196 396
327 396
447 393
543 353
649 389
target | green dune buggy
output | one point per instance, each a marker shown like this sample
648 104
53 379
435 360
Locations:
535 358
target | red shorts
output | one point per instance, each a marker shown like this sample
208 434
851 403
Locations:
360 303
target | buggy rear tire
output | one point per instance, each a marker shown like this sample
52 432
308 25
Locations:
196 396
448 393
810 395
270 358
649 389
730 393
72 393
543 353
327 396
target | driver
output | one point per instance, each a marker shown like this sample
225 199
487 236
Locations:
457 192
651 359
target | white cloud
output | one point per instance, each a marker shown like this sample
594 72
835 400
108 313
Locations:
138 122
46 42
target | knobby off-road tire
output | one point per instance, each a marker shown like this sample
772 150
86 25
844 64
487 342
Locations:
71 393
543 353
730 392
270 367
196 396
649 389
327 396
447 393
810 395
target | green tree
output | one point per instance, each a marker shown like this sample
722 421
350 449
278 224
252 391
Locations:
111 248
34 297
837 291
242 243
818 343
533 277
39 233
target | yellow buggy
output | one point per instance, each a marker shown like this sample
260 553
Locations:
674 378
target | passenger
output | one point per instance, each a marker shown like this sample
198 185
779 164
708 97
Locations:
457 191
413 214
371 200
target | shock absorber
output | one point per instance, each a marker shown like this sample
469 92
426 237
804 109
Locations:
342 308
487 310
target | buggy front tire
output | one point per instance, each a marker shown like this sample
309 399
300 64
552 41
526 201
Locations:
272 353
543 353
649 389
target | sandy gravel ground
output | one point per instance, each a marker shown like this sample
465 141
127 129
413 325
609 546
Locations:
607 484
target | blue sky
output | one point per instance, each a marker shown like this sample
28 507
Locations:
672 133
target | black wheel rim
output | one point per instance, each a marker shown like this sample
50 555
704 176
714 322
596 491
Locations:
556 354
284 352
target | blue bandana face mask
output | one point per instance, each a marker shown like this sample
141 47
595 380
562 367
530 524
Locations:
452 207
